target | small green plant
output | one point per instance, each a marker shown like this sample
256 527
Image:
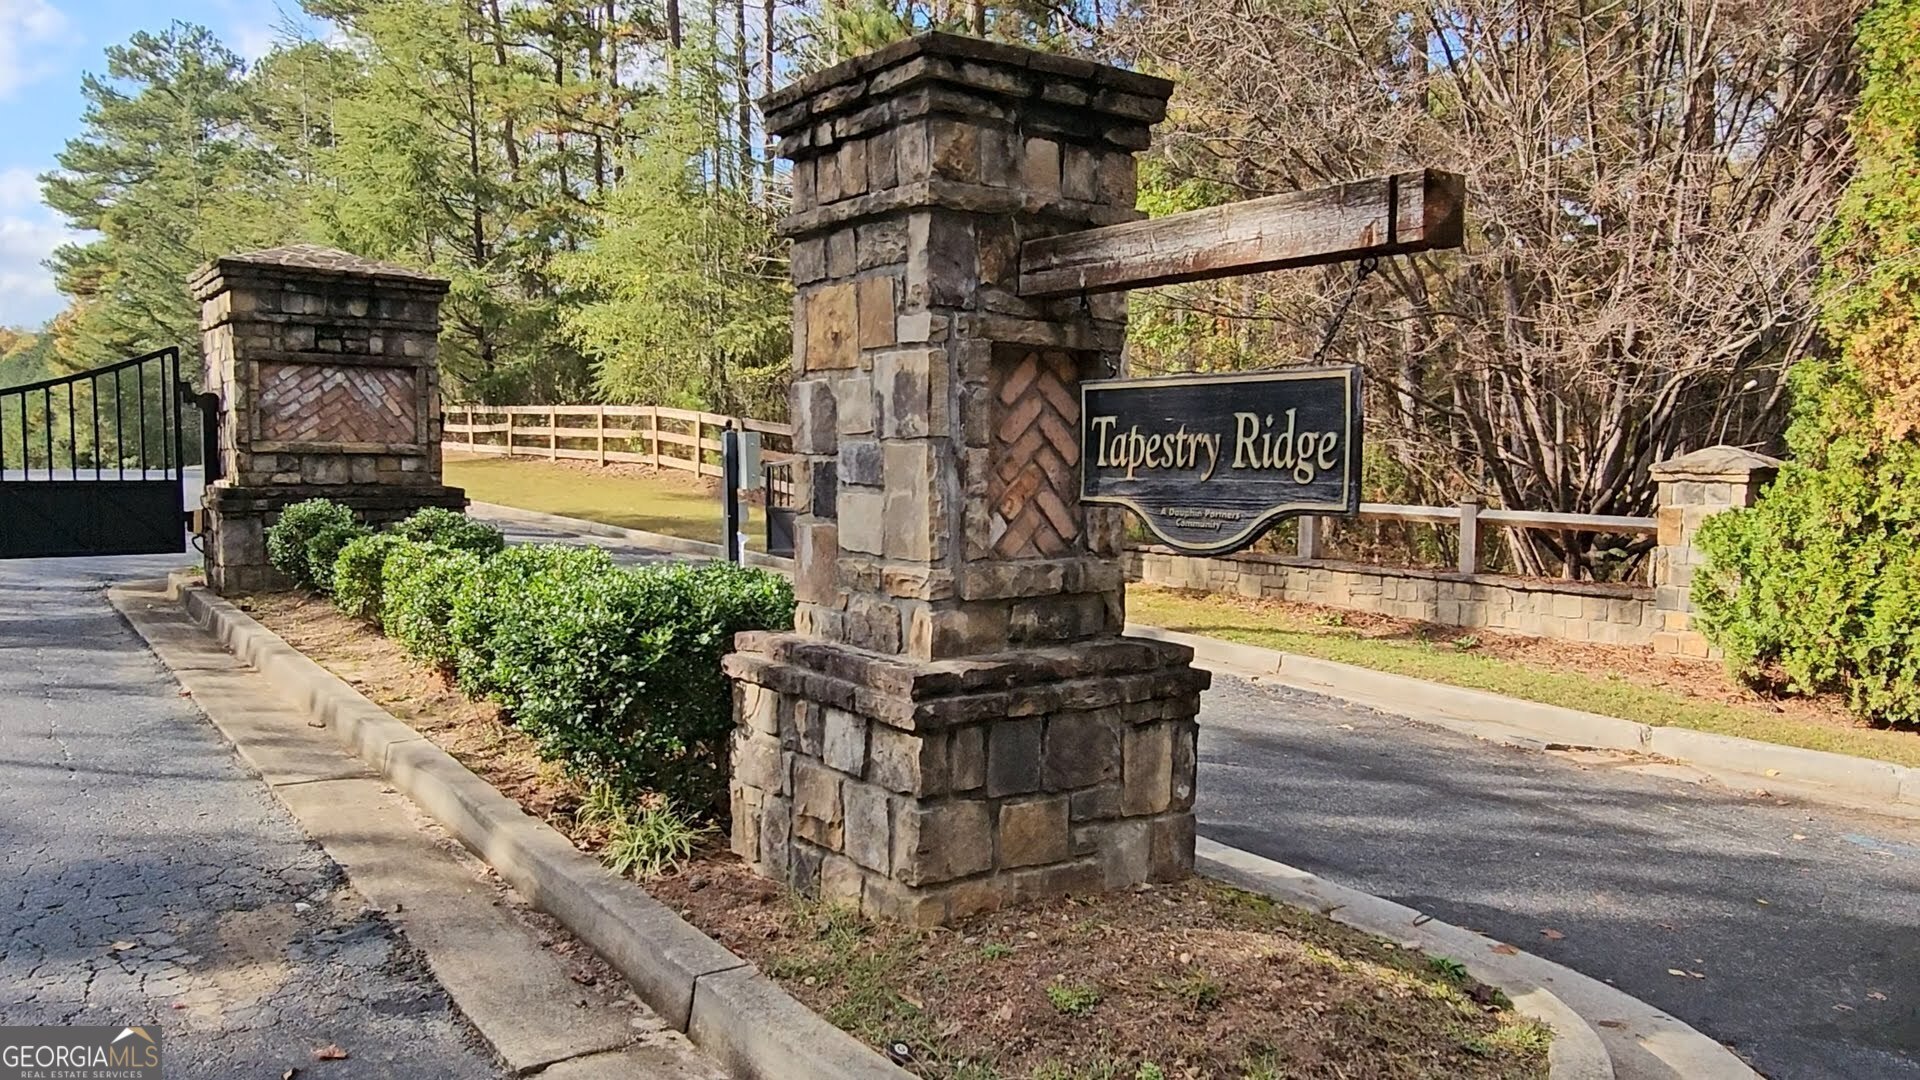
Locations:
995 950
645 840
1074 999
1199 990
1149 1070
1262 1066
1328 618
1466 642
1448 967
299 524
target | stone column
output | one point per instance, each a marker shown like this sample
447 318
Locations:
955 722
1692 488
325 364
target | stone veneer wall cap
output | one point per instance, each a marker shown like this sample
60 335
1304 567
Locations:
309 260
1714 463
962 47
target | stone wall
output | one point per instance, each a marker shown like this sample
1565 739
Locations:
325 366
955 723
934 793
1567 610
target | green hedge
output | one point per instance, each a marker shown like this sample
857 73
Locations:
299 525
450 529
614 671
617 673
356 574
497 593
418 584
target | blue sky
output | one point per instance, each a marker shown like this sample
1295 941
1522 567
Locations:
45 46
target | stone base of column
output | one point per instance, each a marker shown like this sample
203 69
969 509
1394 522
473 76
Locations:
238 519
930 791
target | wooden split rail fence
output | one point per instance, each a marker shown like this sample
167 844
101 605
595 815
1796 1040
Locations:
1469 516
689 440
683 439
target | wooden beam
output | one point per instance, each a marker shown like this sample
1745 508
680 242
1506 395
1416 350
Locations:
1387 215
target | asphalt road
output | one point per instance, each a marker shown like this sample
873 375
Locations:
146 877
1641 871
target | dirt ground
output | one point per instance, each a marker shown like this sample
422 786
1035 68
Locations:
1181 982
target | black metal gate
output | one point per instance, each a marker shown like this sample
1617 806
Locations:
780 510
91 464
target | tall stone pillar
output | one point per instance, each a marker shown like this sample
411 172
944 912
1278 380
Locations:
955 722
325 366
1692 488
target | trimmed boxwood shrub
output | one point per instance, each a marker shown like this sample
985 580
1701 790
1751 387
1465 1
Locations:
498 591
299 524
323 551
418 584
356 574
451 529
616 673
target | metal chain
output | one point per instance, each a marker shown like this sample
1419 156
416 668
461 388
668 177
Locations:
1367 266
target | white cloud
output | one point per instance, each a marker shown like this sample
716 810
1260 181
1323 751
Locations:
251 40
26 26
19 188
27 237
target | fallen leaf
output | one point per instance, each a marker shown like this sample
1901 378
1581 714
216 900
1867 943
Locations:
1552 935
121 946
1876 995
184 692
1696 975
1505 949
289 1074
1773 772
913 1001
1799 836
1842 1008
1186 958
1763 903
1676 973
1611 1024
330 1052
1005 1012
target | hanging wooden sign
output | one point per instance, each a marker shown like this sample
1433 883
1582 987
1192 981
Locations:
1210 462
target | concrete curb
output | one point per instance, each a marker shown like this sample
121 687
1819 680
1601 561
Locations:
1641 1041
729 1009
1813 774
676 545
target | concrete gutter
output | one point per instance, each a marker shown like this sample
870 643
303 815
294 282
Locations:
675 545
730 1010
1633 1040
1817 775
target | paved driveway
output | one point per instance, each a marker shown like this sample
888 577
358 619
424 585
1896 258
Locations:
1641 873
145 877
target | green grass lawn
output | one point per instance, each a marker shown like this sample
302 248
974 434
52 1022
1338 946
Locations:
1443 662
664 504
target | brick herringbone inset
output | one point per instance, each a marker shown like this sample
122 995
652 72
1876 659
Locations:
1033 489
336 403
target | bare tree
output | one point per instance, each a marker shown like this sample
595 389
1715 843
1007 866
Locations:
1647 181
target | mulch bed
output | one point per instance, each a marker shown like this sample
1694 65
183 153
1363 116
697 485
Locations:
1181 982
